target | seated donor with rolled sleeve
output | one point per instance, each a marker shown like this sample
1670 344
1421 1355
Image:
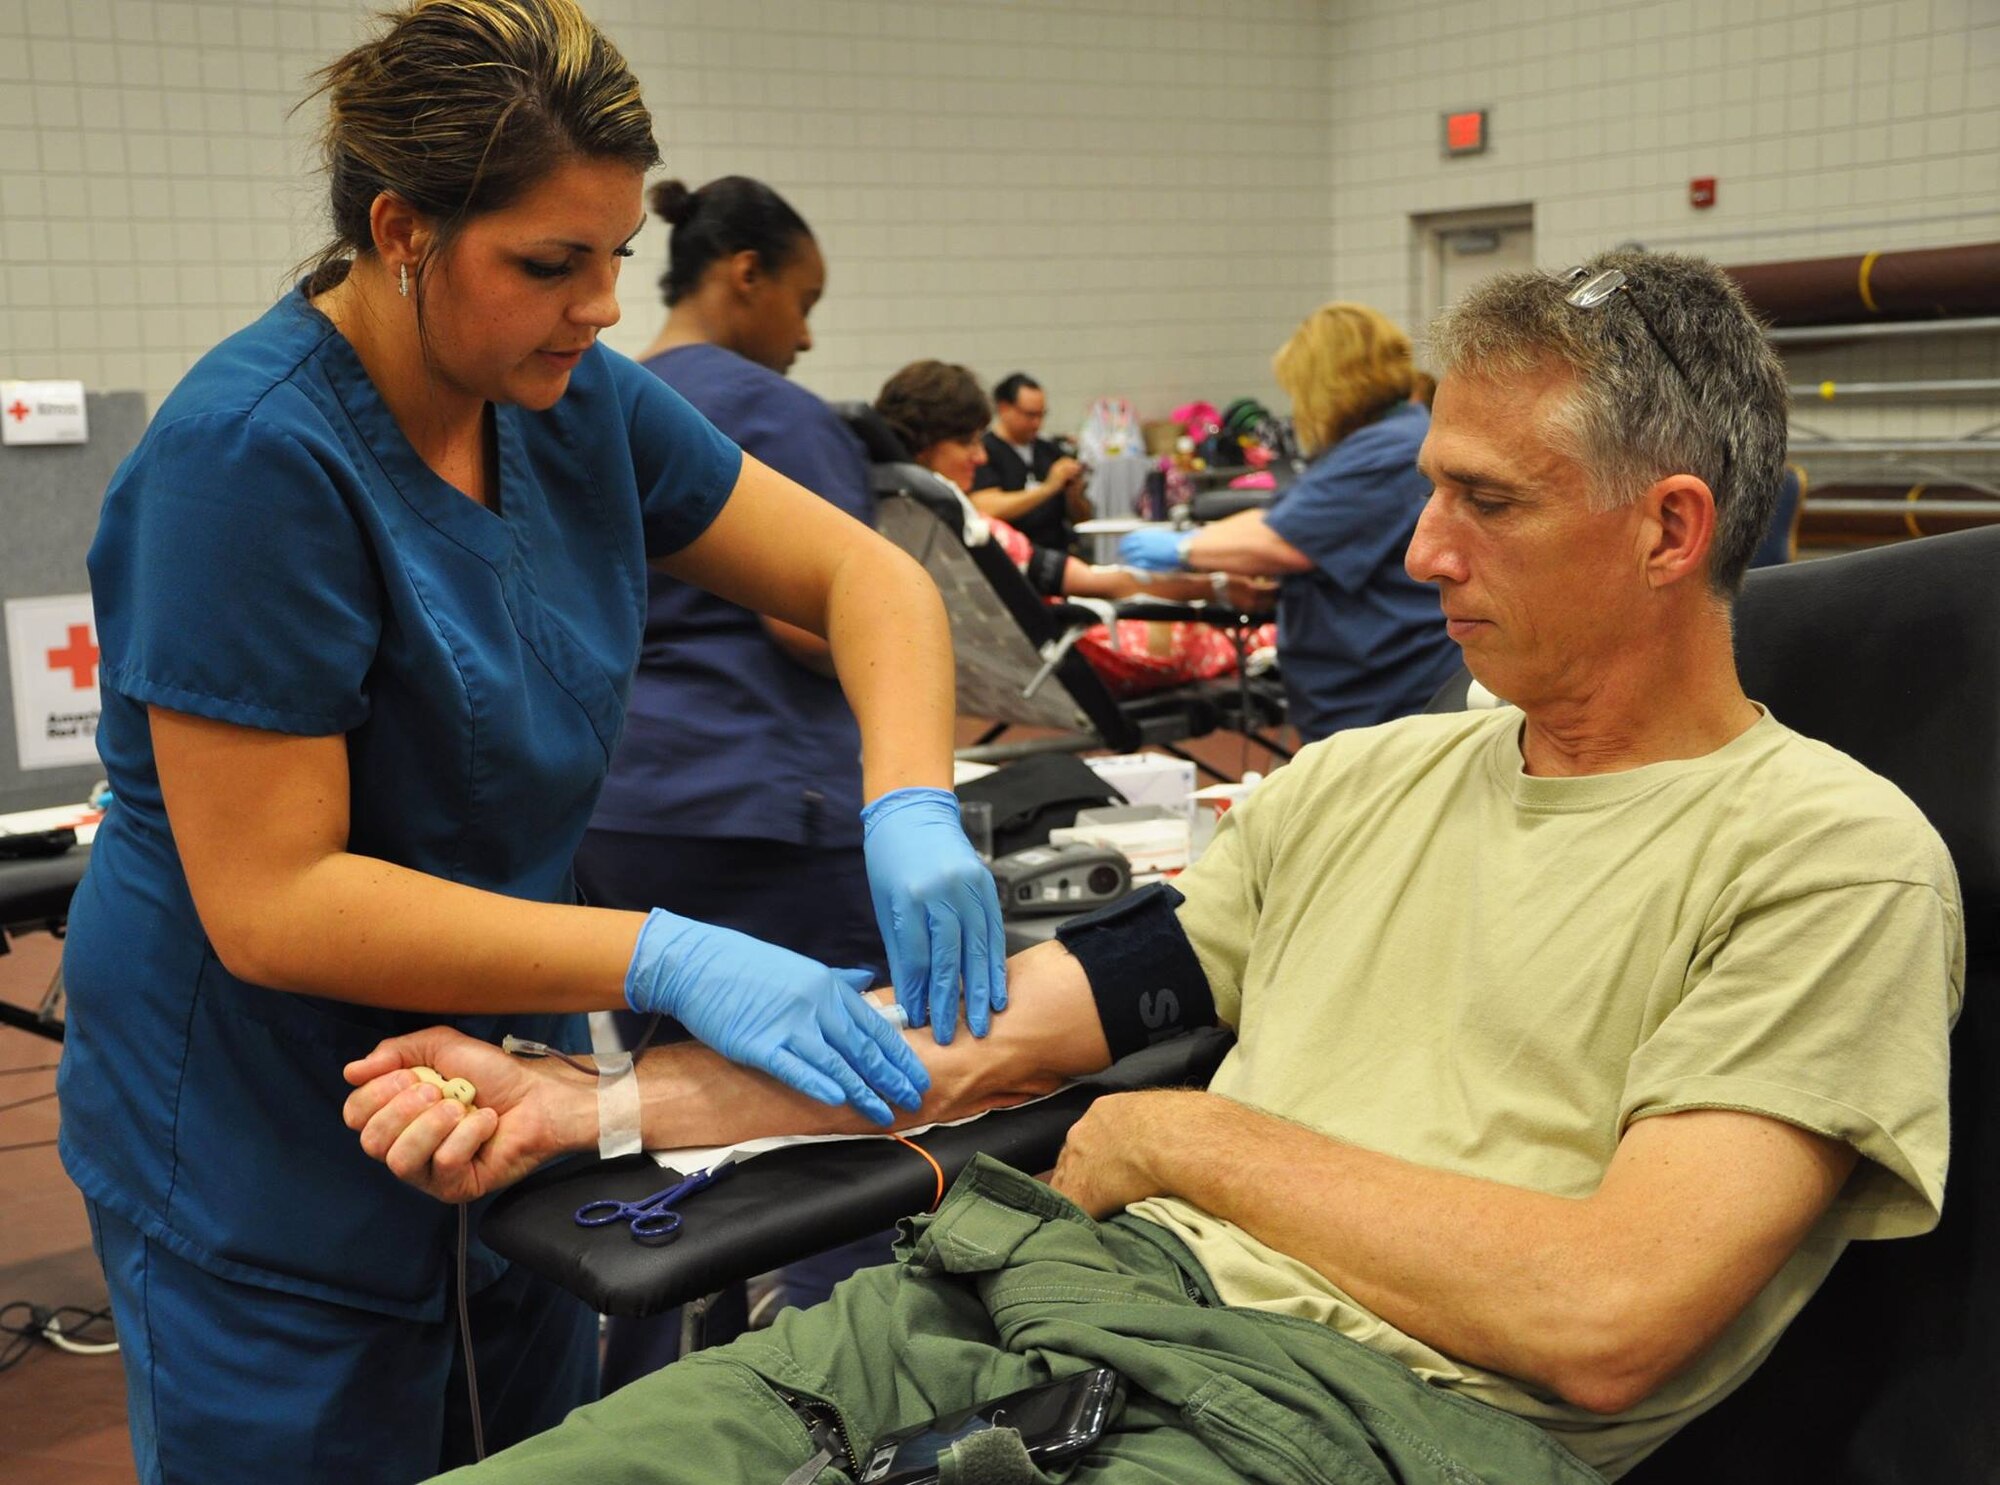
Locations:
1575 1039
1027 481
1360 640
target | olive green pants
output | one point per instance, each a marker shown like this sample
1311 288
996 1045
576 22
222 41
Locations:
1007 1285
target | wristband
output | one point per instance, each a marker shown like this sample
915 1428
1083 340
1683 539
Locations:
1182 546
617 1107
1218 584
1143 973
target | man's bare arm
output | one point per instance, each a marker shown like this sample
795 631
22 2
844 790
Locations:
530 1112
1600 1299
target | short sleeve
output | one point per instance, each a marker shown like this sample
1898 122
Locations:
232 579
987 475
684 467
1224 890
1830 1010
1350 524
812 447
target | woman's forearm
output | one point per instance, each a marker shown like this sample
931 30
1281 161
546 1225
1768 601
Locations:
1244 543
892 653
260 821
361 930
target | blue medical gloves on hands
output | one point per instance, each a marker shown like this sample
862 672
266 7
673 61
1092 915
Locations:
780 1012
938 910
1152 549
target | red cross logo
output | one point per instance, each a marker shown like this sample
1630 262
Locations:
80 659
19 411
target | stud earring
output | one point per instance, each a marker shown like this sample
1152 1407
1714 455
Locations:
403 279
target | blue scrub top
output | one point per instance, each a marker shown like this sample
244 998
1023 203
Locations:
1359 640
728 735
274 554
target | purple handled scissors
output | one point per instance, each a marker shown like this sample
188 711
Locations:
653 1218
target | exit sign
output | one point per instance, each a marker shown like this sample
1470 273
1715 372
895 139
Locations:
1465 132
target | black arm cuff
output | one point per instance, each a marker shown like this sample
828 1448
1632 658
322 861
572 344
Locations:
1143 974
1045 571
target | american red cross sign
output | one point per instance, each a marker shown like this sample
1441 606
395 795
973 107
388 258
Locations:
53 663
78 657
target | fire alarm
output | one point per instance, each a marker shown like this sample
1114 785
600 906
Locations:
1701 193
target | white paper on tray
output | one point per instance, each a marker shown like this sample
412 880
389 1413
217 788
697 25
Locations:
707 1157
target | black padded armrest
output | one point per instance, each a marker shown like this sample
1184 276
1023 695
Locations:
37 889
791 1203
1206 611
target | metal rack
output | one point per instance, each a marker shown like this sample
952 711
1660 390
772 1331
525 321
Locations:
1950 481
1880 330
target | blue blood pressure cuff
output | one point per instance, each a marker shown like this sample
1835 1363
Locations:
1143 974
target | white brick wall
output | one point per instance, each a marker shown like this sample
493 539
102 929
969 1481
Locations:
1131 196
1123 196
1832 128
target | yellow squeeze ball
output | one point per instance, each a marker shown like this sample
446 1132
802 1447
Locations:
453 1088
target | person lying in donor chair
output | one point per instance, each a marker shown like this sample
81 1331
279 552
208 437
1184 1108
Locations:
1575 1038
940 413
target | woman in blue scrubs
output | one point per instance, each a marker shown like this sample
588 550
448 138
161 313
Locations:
735 794
370 591
1359 640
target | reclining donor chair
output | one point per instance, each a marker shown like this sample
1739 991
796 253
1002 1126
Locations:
1890 1376
1017 664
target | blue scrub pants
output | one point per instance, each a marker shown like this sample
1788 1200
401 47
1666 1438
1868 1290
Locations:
234 1384
811 900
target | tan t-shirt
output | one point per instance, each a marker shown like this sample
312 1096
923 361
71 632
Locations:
1426 952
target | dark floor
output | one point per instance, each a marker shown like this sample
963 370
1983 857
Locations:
62 1417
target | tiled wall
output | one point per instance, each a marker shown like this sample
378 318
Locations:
1831 128
1123 196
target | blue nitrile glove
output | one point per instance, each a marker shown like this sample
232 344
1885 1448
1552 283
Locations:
938 909
779 1012
1152 549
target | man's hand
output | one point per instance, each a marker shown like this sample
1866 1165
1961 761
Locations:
527 1112
1104 1166
1076 498
1252 595
1061 473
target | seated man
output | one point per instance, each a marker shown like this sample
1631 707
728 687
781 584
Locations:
1026 480
1575 1038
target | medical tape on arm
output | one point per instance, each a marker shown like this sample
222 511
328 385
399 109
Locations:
1143 973
617 1106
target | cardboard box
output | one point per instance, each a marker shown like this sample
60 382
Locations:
1161 436
1149 778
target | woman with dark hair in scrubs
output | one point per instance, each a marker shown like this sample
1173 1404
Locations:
735 794
370 592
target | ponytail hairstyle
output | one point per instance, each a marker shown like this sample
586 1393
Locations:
731 215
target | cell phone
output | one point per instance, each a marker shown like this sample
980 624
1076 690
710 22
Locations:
1057 1421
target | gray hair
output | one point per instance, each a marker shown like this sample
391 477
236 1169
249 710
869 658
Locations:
1633 419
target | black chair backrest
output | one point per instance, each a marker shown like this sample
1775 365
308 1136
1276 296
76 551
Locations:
1892 1372
999 624
881 442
